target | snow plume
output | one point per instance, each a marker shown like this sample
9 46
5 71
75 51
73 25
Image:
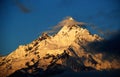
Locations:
67 21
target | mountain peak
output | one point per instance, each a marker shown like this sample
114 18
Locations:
69 24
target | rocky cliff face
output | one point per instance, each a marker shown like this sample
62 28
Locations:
65 51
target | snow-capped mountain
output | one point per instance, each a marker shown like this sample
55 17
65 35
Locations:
66 50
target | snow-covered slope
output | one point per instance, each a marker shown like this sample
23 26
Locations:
65 50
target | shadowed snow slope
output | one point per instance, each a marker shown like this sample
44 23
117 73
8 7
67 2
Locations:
65 51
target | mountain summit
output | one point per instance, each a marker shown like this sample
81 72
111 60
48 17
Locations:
67 50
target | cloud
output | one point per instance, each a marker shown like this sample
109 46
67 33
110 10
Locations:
104 32
110 45
22 7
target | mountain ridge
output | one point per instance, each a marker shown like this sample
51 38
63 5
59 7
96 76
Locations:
65 50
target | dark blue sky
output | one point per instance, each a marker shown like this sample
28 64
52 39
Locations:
22 21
